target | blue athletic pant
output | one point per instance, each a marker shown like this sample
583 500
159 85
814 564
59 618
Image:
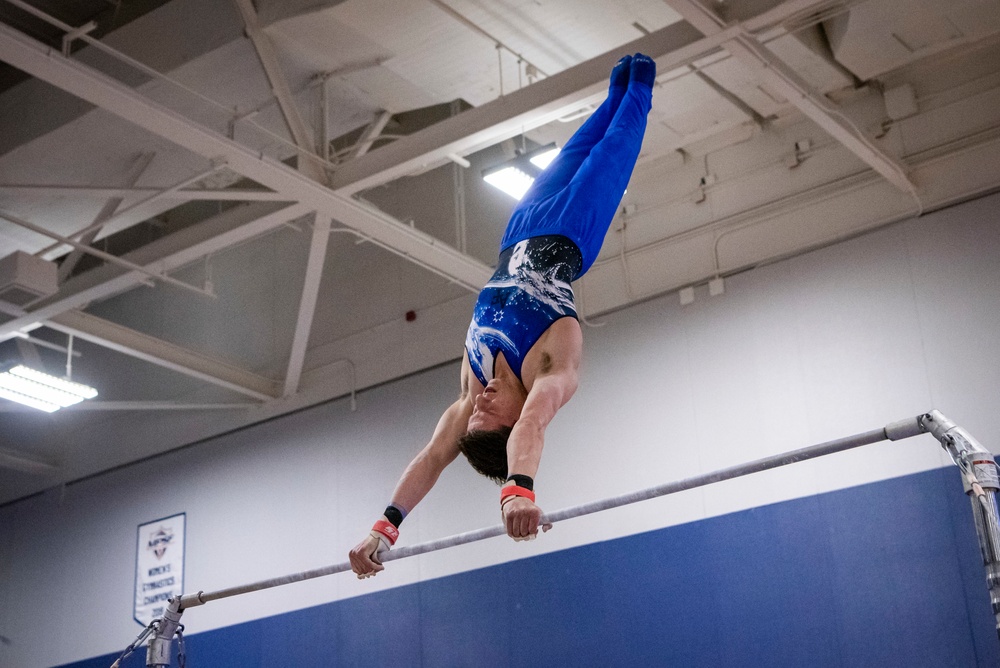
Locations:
578 195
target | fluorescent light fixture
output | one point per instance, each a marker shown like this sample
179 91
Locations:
545 158
511 180
40 390
514 177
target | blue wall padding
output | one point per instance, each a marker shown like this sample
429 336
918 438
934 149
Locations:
886 574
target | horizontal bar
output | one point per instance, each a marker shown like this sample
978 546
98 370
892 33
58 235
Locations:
830 447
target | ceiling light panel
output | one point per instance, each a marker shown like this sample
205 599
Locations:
41 390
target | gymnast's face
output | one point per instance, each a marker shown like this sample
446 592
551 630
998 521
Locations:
499 405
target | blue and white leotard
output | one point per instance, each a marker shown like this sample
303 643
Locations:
528 292
556 231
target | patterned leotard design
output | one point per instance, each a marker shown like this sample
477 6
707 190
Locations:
528 292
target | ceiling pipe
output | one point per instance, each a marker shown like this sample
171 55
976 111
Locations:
158 406
46 344
107 257
118 55
124 212
106 213
476 28
150 194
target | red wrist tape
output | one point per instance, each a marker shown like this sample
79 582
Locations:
387 529
514 490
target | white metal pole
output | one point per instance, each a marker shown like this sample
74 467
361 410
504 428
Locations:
982 483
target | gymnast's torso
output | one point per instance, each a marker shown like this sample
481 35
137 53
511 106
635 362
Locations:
529 291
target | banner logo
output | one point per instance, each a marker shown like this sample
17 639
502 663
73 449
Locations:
159 540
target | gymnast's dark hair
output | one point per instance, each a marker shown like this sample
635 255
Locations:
487 452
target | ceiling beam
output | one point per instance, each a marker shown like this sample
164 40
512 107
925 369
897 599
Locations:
163 353
53 250
92 86
19 462
106 213
371 133
308 164
229 194
107 257
513 114
125 218
210 236
176 250
307 304
542 102
535 105
783 80
93 405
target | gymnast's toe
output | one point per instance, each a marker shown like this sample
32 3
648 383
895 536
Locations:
642 69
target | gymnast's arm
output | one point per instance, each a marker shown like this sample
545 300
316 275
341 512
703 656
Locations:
420 476
551 390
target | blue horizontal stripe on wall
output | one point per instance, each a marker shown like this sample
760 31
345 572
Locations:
885 574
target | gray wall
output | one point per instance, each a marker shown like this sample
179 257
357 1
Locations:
835 342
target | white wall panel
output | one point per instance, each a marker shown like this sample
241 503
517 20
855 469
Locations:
824 345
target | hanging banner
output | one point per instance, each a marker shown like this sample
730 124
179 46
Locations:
159 566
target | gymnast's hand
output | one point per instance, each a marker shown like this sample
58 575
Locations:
521 517
364 557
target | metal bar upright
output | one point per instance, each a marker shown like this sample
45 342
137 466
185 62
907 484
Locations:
981 481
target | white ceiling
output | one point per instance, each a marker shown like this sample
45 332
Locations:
777 127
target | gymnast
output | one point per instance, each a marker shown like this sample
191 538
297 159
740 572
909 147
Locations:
523 347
